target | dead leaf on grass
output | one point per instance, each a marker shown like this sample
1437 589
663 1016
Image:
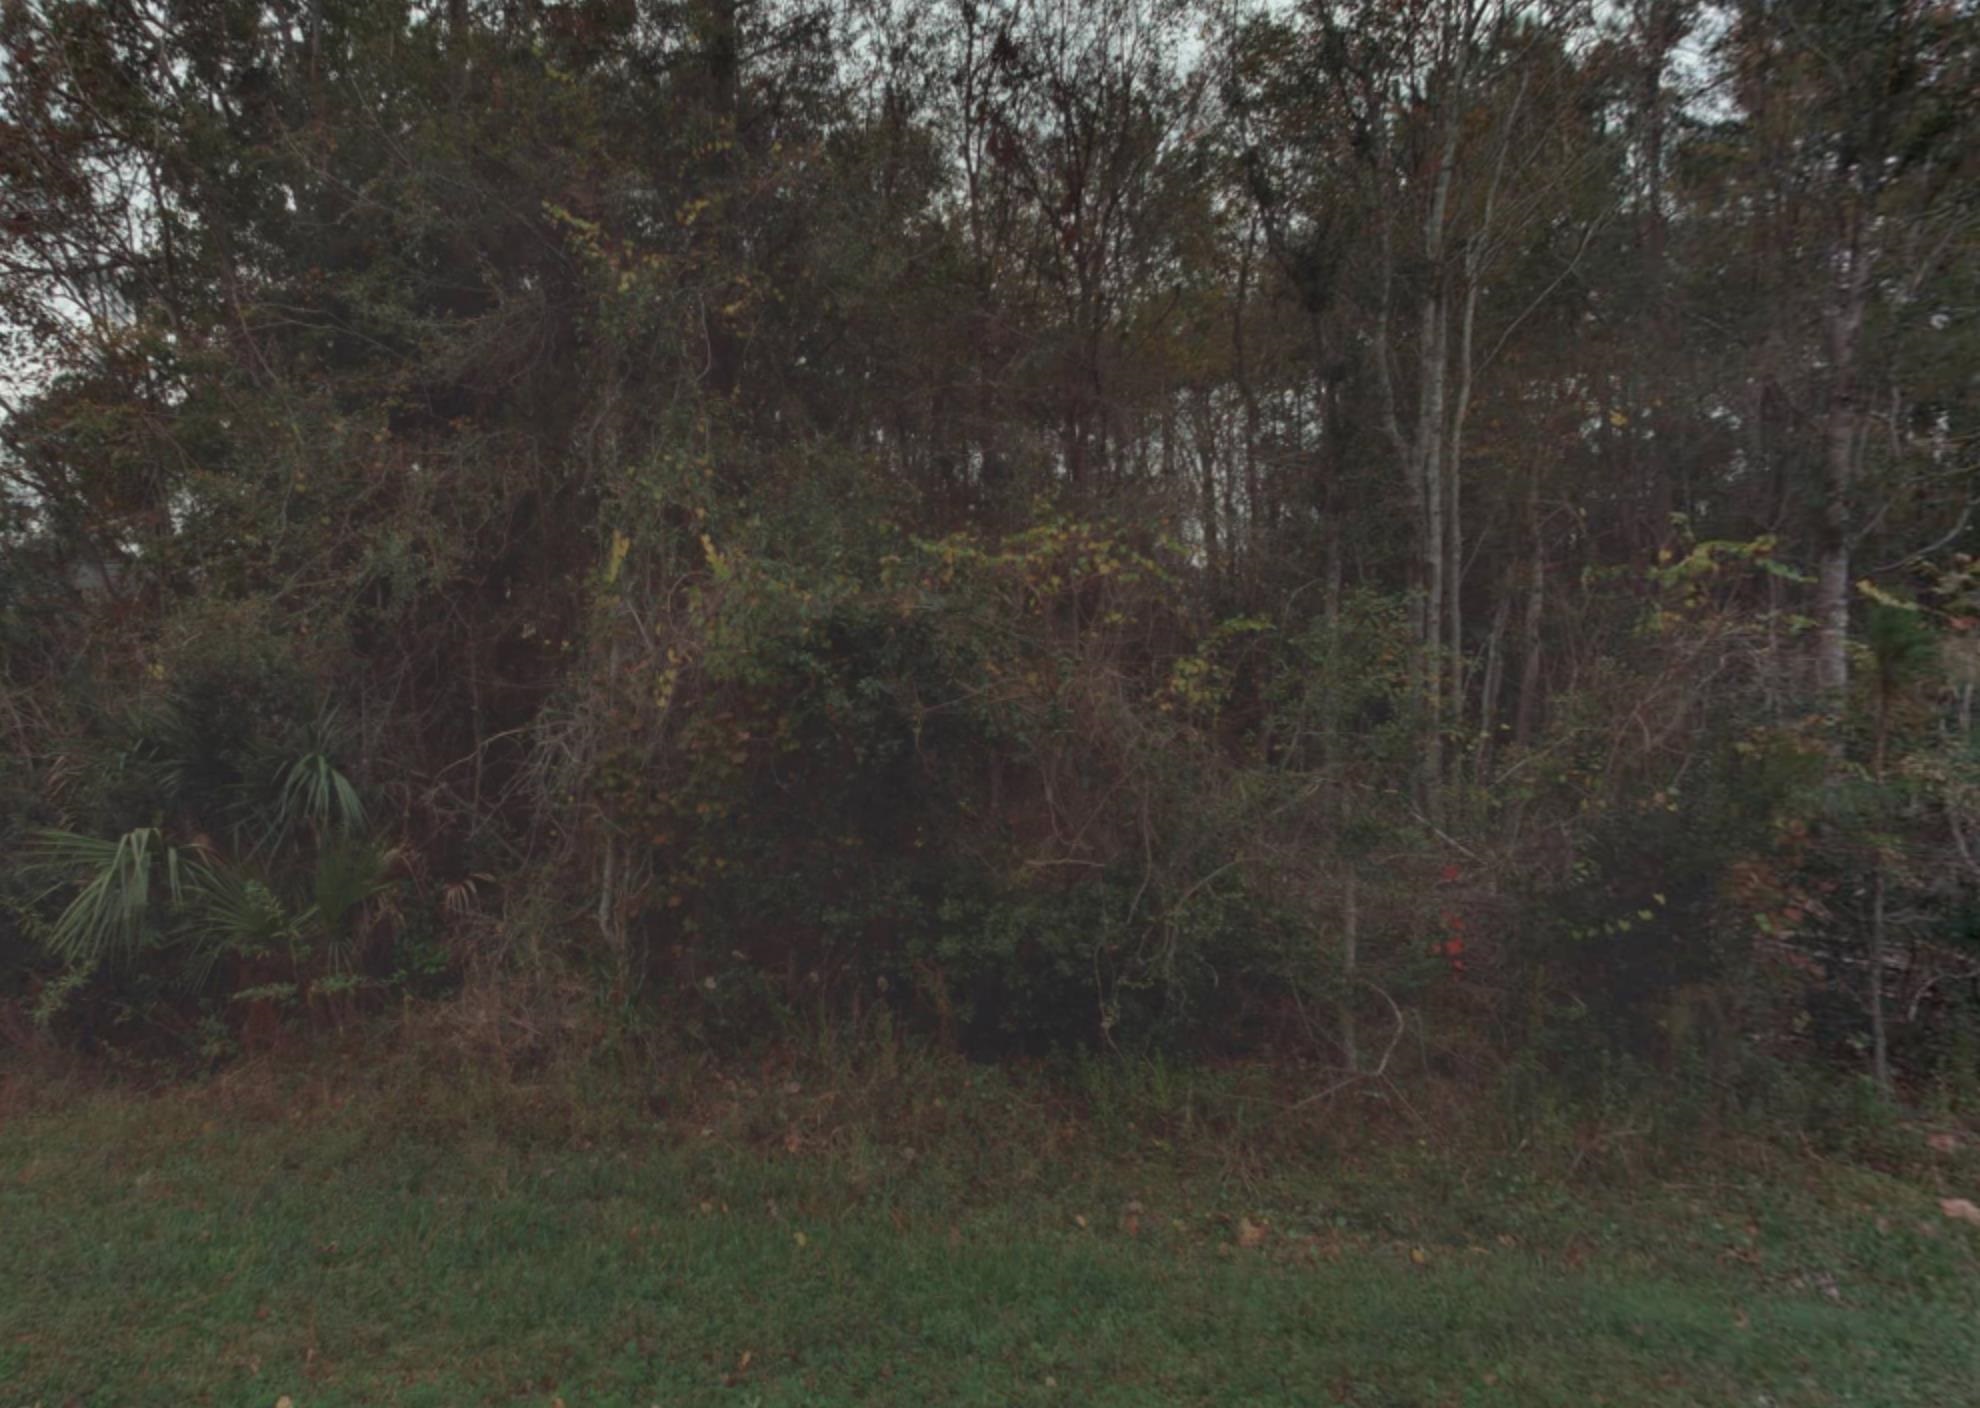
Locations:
1960 1210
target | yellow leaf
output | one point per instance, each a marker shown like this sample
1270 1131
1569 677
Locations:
1875 593
621 545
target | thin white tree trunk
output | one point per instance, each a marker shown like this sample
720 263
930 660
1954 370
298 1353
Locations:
1433 363
1843 326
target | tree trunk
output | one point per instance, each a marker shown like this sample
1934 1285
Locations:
1842 326
1454 530
1880 1046
1350 957
722 65
1527 717
1430 549
1433 363
1474 270
1241 365
1488 690
1215 553
1419 453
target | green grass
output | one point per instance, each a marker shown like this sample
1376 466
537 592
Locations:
945 1239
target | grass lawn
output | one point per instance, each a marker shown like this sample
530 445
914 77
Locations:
948 1241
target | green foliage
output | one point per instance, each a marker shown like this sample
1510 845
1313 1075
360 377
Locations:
240 915
350 874
316 794
987 777
125 886
929 511
164 917
1654 927
1902 644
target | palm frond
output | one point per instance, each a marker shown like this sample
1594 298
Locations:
240 913
350 876
118 889
317 795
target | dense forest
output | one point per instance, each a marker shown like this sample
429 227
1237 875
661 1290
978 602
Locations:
1401 534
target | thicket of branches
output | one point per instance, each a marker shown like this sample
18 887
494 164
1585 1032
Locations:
1396 529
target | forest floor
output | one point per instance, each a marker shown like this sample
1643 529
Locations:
945 1236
